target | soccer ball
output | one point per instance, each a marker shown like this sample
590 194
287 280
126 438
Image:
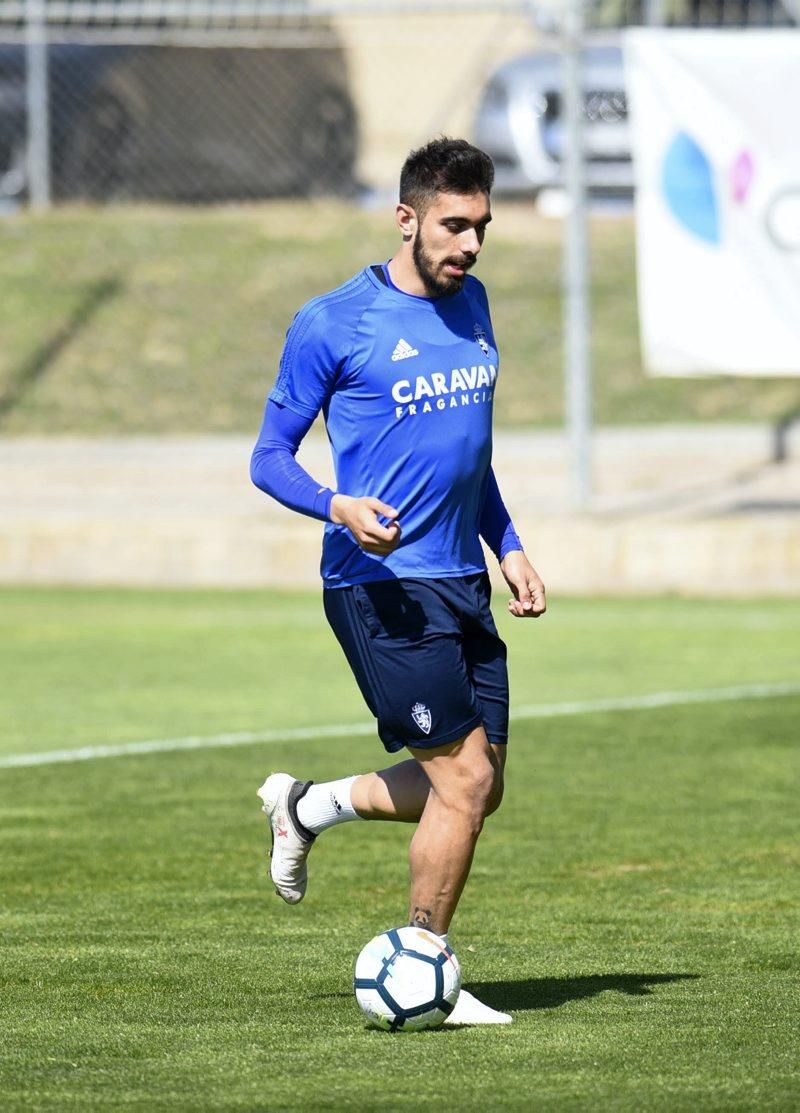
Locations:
407 979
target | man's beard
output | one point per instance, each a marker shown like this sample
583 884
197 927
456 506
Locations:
436 283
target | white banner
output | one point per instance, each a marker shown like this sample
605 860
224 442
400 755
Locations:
715 124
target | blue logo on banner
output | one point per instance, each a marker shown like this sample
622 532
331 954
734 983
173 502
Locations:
688 184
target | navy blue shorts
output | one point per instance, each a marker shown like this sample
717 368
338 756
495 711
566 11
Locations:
427 657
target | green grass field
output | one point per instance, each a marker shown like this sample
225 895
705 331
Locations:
634 903
151 320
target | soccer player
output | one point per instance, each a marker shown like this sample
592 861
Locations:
401 360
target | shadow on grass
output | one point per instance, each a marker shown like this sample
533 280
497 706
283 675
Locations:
550 993
32 368
541 993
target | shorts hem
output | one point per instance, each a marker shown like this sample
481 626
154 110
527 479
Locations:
446 738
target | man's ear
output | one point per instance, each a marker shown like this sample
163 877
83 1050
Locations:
406 221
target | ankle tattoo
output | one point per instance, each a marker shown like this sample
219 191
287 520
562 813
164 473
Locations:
422 918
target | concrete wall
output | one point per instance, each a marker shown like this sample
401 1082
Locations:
695 511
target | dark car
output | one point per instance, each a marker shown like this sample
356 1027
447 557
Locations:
185 123
520 122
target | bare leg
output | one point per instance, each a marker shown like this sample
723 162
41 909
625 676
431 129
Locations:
465 785
401 791
449 789
397 793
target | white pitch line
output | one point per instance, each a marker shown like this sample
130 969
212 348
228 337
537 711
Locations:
311 734
658 699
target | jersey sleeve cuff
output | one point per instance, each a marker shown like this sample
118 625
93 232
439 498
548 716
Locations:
510 543
322 503
283 399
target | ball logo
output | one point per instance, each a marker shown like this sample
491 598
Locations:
422 717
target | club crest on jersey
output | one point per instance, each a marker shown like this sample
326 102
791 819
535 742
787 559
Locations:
482 339
422 717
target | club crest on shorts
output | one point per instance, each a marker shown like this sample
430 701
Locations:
482 339
422 717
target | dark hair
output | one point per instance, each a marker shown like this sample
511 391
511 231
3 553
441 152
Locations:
444 166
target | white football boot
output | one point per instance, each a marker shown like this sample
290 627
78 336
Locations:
291 841
469 1010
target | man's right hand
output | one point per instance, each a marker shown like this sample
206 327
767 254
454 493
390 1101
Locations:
360 515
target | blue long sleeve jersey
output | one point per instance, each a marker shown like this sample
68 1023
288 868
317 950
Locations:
405 385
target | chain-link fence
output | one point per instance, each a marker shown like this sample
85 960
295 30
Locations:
218 101
206 100
156 109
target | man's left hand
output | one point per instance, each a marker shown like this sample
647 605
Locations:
520 575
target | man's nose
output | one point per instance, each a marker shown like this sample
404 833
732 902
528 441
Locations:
469 242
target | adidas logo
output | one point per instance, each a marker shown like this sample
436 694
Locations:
403 350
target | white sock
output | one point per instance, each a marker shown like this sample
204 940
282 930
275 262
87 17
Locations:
326 805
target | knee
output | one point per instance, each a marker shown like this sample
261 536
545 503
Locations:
477 793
